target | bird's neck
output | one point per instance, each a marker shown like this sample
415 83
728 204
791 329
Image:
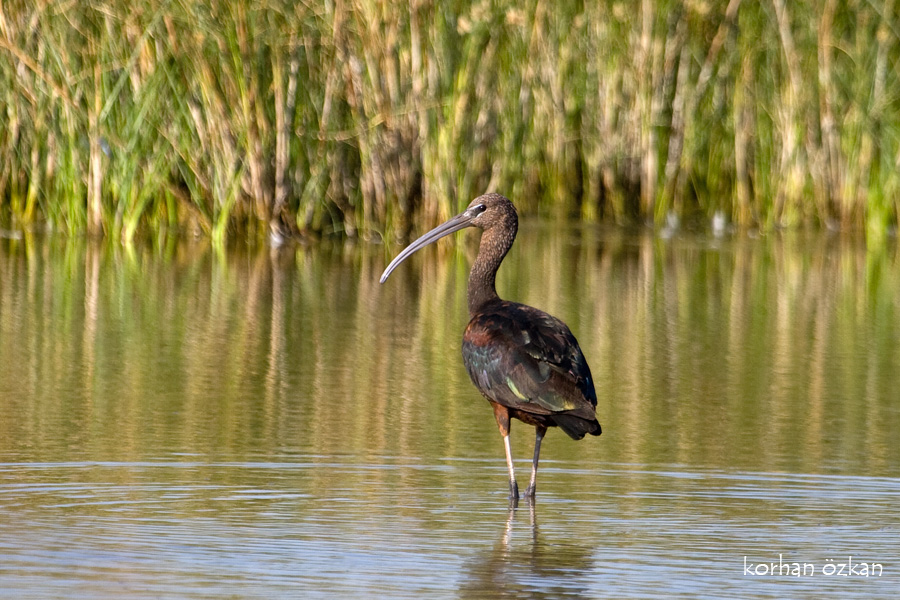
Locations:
495 243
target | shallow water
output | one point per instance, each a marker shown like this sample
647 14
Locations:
180 422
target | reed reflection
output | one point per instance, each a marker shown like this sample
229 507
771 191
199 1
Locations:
775 353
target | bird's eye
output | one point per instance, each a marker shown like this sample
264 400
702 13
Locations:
473 211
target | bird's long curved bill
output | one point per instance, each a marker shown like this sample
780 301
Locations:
460 221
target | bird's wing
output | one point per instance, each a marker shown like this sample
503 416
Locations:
524 358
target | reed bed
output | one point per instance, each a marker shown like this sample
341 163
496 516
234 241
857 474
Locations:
367 117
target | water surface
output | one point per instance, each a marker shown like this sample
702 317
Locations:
185 422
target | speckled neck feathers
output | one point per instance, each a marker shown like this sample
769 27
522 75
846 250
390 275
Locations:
496 241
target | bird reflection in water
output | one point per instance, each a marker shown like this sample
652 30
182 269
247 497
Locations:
523 565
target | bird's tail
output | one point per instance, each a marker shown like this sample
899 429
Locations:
576 427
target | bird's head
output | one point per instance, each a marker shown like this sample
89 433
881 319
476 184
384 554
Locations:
486 212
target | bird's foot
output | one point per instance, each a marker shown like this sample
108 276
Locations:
529 491
513 490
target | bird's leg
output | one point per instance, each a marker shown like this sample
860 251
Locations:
539 432
513 486
502 415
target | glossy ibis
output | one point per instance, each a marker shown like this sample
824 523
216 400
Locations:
525 362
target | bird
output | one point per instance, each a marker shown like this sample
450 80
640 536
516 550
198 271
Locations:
525 362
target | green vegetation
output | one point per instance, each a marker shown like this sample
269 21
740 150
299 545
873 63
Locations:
366 117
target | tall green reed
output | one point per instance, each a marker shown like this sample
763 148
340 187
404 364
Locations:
364 117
